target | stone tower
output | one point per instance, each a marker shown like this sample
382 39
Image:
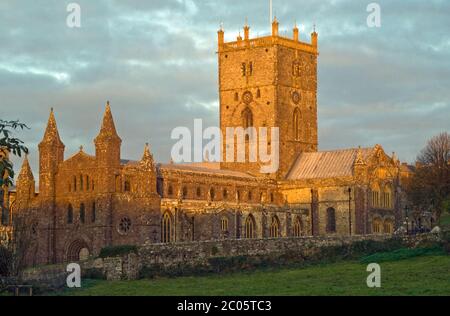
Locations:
270 81
25 186
107 149
51 154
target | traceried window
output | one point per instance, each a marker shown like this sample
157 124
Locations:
375 190
388 226
250 227
166 228
377 226
275 227
124 226
224 225
298 227
331 220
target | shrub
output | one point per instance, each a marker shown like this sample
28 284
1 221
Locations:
117 251
94 274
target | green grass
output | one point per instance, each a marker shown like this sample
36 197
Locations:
402 254
424 275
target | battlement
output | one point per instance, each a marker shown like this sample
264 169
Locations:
274 39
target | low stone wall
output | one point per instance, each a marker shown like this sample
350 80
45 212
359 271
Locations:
173 257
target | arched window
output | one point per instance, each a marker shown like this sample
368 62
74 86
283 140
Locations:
331 220
250 227
247 118
236 96
375 189
81 183
74 184
224 225
199 192
166 228
127 186
272 198
185 192
377 226
212 194
296 124
70 214
258 93
94 213
82 213
87 183
387 197
225 194
170 190
298 227
275 227
388 226
250 195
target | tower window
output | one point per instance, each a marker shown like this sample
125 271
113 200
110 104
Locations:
258 93
296 124
236 96
70 214
244 69
247 118
82 213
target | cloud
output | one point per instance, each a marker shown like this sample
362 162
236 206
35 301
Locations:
155 61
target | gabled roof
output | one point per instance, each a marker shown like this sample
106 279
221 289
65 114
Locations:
326 164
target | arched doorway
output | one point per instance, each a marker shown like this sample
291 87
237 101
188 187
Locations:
78 250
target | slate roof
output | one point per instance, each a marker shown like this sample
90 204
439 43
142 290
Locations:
326 164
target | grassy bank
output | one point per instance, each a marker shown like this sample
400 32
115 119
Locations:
422 275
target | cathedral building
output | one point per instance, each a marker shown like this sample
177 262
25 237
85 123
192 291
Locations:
87 202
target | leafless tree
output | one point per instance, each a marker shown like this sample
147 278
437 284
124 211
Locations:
430 187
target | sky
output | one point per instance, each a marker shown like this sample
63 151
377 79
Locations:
156 62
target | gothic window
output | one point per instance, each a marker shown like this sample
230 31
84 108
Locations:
298 227
377 226
170 190
224 225
296 124
70 214
225 194
375 189
87 183
250 70
82 213
387 198
272 198
243 69
247 118
275 227
238 194
124 225
81 183
388 227
127 185
199 192
93 214
166 229
331 220
250 195
74 184
185 192
250 227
